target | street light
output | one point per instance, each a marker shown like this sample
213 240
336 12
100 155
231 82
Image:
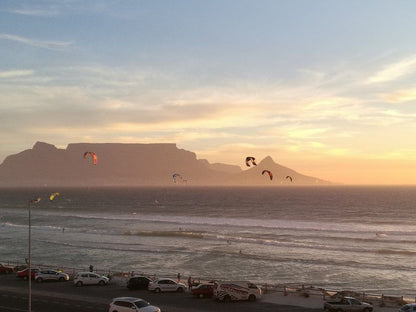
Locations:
32 201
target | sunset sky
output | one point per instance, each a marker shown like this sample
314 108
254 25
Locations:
327 88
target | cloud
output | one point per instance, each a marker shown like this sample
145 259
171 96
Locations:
394 71
34 12
49 45
16 73
399 96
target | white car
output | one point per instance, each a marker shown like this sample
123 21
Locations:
166 284
131 304
51 275
90 278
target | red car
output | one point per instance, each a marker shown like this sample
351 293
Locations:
5 269
25 273
203 290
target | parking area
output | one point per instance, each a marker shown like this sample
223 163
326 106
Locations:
64 296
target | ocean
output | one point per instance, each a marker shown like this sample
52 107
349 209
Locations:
336 237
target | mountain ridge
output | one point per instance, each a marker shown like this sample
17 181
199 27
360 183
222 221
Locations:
132 164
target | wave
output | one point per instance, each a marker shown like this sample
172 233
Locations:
187 234
278 224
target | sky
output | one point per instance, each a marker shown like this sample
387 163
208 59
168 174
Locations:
327 88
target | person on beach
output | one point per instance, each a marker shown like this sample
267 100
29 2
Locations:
179 277
91 268
189 282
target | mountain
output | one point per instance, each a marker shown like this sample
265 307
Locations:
130 165
254 176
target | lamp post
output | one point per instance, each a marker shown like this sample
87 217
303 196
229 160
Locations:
32 201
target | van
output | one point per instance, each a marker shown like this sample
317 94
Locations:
227 291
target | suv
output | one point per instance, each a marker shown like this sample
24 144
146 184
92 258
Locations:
130 304
45 275
138 282
89 278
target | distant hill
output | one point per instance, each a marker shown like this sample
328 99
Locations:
132 165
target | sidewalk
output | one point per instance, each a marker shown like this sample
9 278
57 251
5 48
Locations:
308 302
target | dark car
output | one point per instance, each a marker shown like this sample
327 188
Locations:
138 282
204 290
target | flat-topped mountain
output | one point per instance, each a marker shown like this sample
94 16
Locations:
120 164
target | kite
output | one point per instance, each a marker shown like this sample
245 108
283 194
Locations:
289 177
269 172
250 159
53 195
35 200
94 157
176 176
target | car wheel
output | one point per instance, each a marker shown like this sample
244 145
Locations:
180 290
61 279
25 278
227 298
78 284
157 290
366 310
251 298
39 280
201 295
101 283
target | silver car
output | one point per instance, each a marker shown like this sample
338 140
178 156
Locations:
410 307
90 278
51 275
131 304
166 284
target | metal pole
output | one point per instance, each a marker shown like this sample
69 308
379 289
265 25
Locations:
35 201
30 267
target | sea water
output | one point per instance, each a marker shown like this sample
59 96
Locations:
337 237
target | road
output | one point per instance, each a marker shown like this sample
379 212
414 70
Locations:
65 297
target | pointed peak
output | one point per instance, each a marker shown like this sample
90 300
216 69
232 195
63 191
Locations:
267 161
43 146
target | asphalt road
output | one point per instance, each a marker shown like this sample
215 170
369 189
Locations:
65 297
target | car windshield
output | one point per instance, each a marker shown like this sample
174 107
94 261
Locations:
141 303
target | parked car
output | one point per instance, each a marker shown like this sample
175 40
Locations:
410 307
347 304
203 290
4 269
227 291
51 275
25 273
138 282
130 304
166 284
90 278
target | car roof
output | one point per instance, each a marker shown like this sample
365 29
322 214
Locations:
140 276
88 273
129 299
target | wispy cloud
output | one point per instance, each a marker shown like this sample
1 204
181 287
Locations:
394 71
16 73
34 12
50 45
400 96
